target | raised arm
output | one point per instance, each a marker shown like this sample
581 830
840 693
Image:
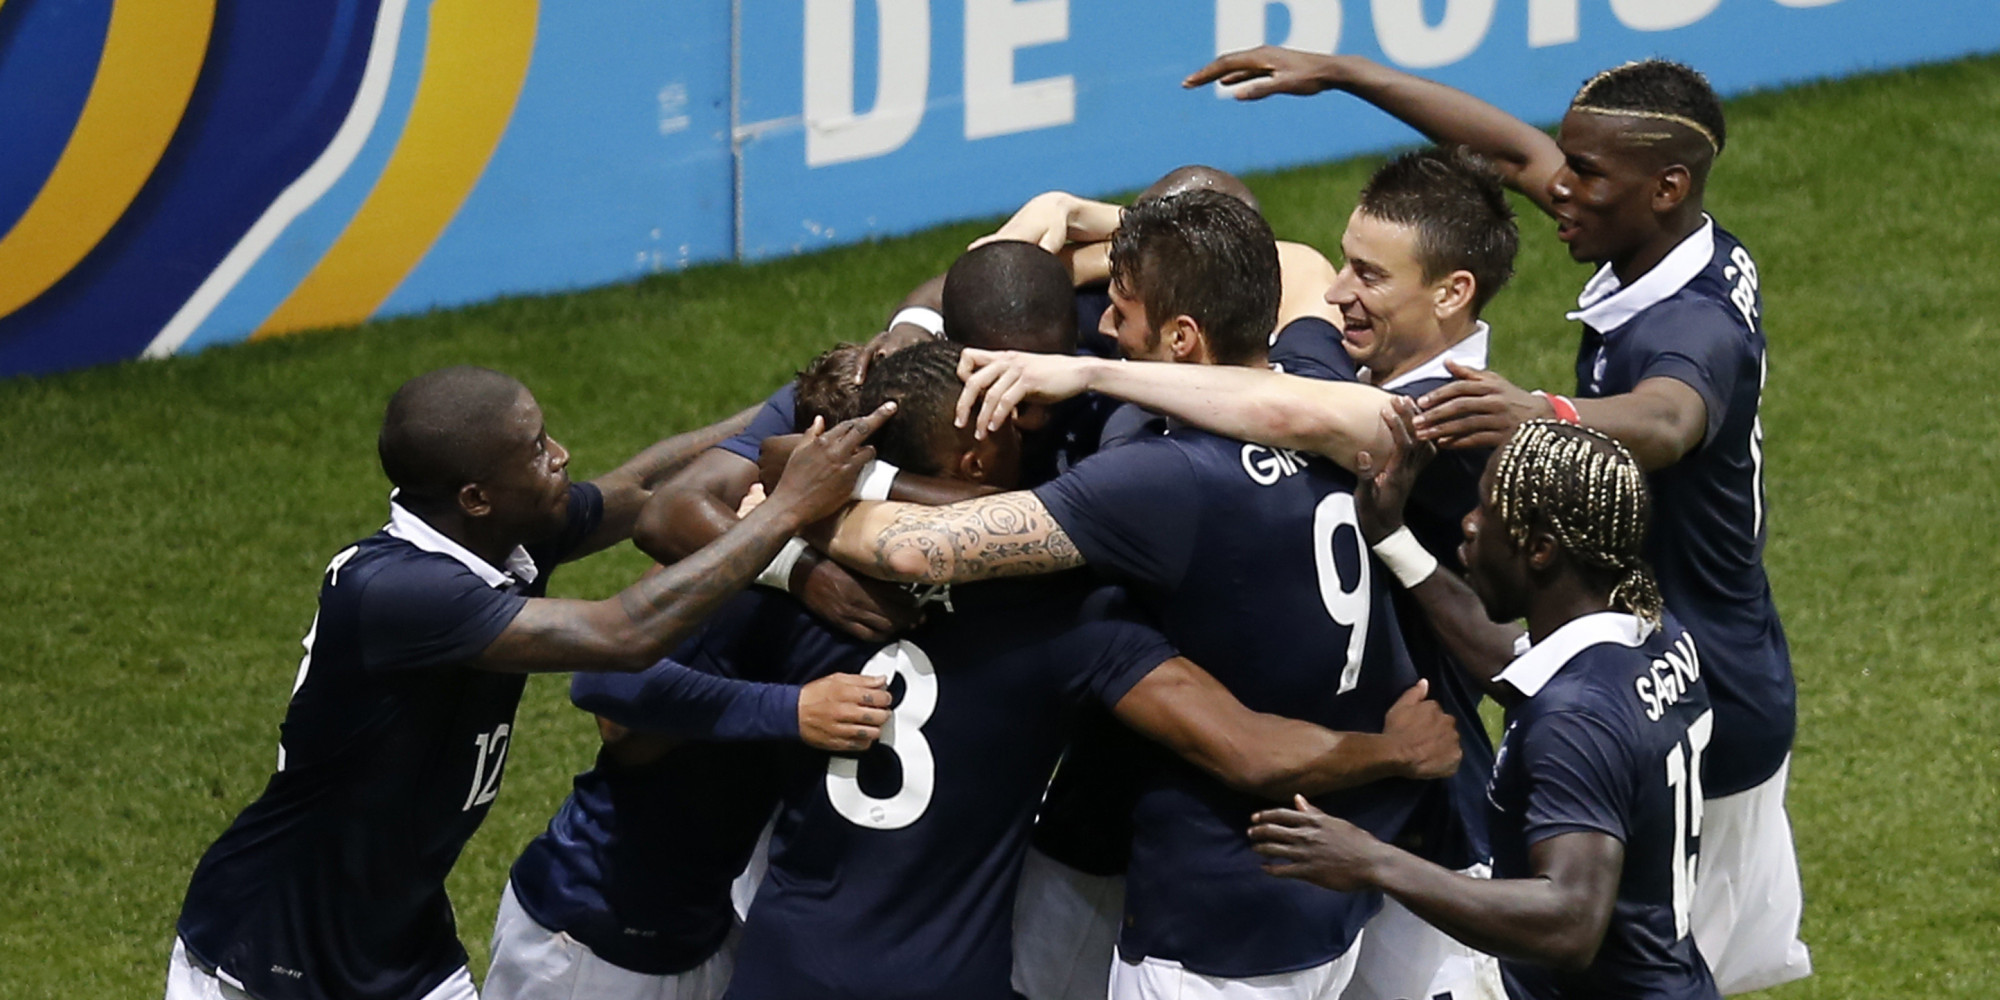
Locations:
1525 155
1659 421
1186 709
637 627
1007 534
1055 219
1335 419
627 488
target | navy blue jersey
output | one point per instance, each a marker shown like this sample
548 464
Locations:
638 862
1249 559
893 874
331 884
1610 739
1311 347
1696 317
779 415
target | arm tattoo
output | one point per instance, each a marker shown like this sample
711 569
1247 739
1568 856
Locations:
1008 534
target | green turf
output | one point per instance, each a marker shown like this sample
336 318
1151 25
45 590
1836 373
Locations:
166 523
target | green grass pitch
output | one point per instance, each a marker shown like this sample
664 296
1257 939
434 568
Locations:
164 525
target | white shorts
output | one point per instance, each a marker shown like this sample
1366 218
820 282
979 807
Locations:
744 889
1747 899
186 981
531 962
1065 930
1158 979
1405 958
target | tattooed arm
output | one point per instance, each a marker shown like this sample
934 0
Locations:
640 624
1007 534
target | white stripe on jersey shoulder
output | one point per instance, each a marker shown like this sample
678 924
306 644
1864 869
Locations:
1531 671
1467 353
414 530
1605 306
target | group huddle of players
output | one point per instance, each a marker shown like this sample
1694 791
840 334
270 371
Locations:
1115 622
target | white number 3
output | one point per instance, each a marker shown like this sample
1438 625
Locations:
903 736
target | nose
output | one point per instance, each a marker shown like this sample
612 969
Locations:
1343 290
1468 526
558 455
1106 325
1560 183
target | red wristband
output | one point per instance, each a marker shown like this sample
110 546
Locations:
1565 410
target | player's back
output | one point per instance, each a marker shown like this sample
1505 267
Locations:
1612 743
1250 560
893 874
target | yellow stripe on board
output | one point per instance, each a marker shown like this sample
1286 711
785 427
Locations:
475 61
153 51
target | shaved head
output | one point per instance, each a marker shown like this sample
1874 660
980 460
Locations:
447 428
1010 296
1196 177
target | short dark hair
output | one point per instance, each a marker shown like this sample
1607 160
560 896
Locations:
1206 256
1010 296
923 380
443 430
1195 177
1657 89
826 387
1453 199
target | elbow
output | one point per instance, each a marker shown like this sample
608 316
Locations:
650 532
906 564
1573 952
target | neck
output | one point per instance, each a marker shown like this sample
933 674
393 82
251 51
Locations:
1564 599
1654 250
1447 337
453 524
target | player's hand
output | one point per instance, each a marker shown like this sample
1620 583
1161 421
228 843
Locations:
1426 739
1478 409
997 383
1382 491
819 478
1268 69
1043 221
886 343
772 457
1304 843
870 610
843 713
752 499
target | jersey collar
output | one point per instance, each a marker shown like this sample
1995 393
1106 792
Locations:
1469 352
416 531
1536 665
1605 305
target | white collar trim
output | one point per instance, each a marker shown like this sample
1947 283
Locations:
1469 352
1605 305
415 530
1533 668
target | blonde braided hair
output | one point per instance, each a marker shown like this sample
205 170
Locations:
1589 492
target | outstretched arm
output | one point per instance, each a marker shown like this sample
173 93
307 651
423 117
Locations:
1056 219
1335 419
1525 155
1660 420
1186 709
1007 534
627 488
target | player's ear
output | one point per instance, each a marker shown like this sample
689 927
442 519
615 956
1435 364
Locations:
1183 336
1453 293
1671 186
1542 550
473 501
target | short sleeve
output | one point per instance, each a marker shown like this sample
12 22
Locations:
779 415
1311 347
1118 654
1580 777
1696 342
430 612
586 512
1129 511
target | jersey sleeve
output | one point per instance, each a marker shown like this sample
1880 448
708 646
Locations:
431 612
1129 511
1311 347
1118 654
671 698
1580 777
779 415
1696 342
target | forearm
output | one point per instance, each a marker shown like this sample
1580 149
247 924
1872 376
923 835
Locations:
668 457
665 607
681 522
935 492
1287 757
1659 422
1526 919
1524 154
1008 534
678 701
1482 646
1335 419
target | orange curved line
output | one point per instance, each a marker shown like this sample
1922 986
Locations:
475 62
153 51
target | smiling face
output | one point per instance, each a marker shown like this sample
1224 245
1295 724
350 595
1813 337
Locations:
1390 313
1606 194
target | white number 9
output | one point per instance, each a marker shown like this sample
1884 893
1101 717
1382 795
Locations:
1346 605
904 736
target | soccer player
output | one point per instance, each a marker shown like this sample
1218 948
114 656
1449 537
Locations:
1672 364
331 884
1249 560
893 875
1596 798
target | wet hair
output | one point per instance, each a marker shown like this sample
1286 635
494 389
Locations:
445 429
1584 488
826 387
1658 90
923 380
1195 177
1010 296
1453 199
1206 256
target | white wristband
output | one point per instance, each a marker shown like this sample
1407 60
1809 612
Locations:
1406 557
778 575
876 478
924 316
